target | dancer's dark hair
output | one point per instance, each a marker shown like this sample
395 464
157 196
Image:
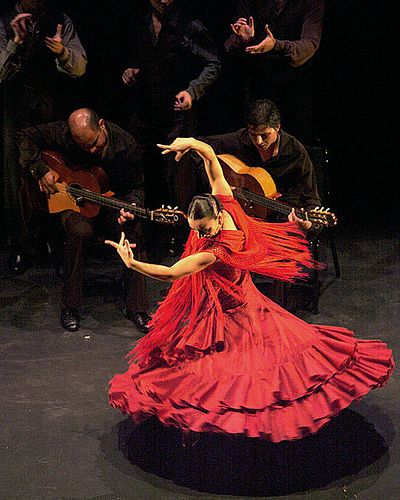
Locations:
204 205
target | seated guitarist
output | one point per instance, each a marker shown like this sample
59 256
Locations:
89 141
263 143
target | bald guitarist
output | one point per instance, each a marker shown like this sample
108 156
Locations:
89 141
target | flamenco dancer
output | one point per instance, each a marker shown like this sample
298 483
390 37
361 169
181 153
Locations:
222 357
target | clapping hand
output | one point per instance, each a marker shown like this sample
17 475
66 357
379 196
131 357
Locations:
244 29
265 45
55 43
130 76
183 101
19 27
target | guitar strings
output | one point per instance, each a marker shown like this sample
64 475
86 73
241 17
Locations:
103 200
280 207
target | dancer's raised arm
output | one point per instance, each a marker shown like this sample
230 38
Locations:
182 145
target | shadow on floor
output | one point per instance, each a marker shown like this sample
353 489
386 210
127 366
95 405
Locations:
220 464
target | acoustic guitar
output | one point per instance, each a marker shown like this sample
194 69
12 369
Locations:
257 193
84 191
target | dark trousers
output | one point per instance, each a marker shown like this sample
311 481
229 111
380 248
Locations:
22 107
167 182
163 183
79 231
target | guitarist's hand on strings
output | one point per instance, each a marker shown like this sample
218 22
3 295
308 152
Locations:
304 225
125 216
48 184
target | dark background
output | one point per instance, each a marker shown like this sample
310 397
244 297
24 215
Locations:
353 87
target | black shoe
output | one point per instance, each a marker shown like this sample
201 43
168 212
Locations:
140 320
19 263
69 320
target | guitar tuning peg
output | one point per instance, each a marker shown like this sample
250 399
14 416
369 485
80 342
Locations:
327 210
175 208
169 207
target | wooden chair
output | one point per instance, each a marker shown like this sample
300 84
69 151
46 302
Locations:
281 292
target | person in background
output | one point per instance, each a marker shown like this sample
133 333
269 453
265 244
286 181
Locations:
275 42
89 141
172 63
263 143
40 52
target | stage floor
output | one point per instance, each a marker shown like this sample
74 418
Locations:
60 439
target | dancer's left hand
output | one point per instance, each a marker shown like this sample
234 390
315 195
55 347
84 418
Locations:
181 146
124 249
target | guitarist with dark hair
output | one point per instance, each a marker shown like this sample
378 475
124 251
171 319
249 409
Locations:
264 144
89 141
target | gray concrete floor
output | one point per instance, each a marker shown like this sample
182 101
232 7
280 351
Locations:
59 438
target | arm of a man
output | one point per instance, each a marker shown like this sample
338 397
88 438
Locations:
9 59
200 45
300 51
74 62
33 140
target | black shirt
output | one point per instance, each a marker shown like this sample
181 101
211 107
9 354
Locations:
291 170
122 162
183 57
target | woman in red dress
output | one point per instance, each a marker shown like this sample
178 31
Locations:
222 357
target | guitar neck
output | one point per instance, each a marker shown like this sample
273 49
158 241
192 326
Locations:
276 206
87 195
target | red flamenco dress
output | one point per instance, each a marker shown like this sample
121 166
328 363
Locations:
222 357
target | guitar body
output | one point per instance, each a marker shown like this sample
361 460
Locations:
94 180
253 179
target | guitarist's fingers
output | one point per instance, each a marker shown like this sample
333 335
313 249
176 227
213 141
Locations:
127 215
292 216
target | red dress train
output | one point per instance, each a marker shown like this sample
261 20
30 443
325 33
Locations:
222 357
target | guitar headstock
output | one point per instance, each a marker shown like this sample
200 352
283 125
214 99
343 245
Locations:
168 215
321 215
